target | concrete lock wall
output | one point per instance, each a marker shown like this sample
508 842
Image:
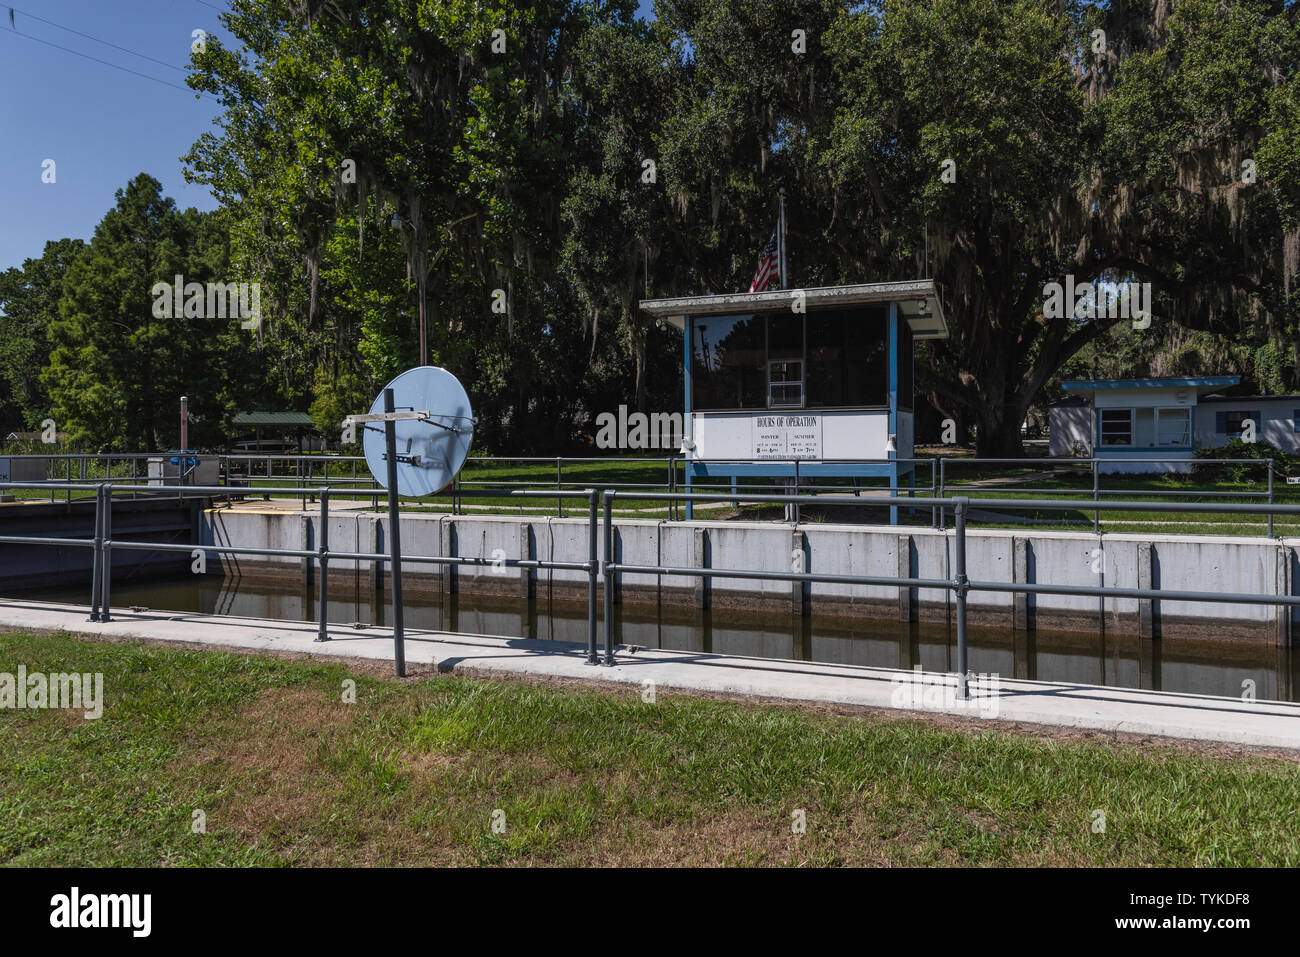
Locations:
1244 565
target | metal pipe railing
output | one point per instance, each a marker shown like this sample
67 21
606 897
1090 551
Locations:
602 570
234 468
959 585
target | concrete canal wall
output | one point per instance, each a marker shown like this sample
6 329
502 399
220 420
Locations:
1228 564
145 520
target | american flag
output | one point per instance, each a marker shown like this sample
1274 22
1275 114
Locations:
767 266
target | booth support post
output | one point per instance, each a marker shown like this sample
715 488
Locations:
894 359
688 429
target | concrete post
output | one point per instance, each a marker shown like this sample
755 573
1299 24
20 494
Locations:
700 559
799 591
1146 606
372 546
617 590
525 574
903 554
1283 588
304 539
1020 575
447 548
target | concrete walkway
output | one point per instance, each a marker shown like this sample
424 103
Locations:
1197 717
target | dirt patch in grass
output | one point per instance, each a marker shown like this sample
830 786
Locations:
277 785
266 761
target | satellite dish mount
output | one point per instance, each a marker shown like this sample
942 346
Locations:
427 430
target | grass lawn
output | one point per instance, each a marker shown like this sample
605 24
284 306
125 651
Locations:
286 773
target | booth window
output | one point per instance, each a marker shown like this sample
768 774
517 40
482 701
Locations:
848 358
785 384
1116 426
729 362
833 358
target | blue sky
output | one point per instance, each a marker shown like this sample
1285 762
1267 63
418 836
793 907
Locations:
101 126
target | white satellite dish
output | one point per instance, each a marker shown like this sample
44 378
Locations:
425 429
434 427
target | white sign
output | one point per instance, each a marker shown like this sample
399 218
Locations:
787 436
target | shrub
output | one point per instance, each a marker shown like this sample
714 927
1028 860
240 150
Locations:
1283 463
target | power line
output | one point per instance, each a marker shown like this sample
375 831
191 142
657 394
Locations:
115 66
206 4
59 26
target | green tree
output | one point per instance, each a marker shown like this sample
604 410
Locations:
117 369
29 304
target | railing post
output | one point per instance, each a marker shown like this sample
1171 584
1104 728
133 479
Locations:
934 489
593 567
796 491
943 512
97 553
1270 498
559 486
106 559
960 586
1096 497
672 487
322 559
607 582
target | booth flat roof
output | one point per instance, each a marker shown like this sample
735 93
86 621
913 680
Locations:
1166 382
918 303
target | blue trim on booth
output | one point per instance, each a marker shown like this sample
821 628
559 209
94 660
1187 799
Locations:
687 430
893 400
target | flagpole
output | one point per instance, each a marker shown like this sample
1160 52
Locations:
780 244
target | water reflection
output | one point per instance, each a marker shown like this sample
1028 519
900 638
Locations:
1190 666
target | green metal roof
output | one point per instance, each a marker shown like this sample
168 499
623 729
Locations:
274 418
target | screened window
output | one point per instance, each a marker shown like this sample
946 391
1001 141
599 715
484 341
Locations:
1174 428
1116 426
785 384
833 358
729 362
848 359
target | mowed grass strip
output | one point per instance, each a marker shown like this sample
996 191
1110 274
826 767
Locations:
287 773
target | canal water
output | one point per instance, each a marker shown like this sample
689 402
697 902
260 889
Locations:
1198 667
